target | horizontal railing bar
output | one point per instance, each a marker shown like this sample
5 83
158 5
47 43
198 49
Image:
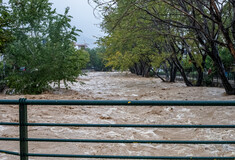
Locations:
9 124
9 139
7 101
133 103
10 152
130 125
122 102
118 141
121 157
119 125
129 141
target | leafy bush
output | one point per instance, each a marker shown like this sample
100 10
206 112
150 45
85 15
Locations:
44 46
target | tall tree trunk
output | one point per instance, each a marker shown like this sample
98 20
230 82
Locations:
181 70
142 64
200 71
146 71
199 77
178 65
217 60
173 71
138 68
198 68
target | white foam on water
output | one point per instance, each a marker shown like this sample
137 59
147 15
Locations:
2 128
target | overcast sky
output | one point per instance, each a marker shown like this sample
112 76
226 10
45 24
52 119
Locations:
83 19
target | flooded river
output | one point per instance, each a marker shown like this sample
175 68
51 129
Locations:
123 86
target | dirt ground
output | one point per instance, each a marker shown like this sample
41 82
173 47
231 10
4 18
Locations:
123 86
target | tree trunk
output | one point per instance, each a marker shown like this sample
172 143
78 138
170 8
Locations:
166 71
217 60
199 77
228 39
142 64
158 75
132 70
198 67
181 70
146 71
138 69
200 71
179 66
173 71
59 84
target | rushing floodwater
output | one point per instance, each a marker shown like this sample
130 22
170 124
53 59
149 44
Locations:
124 86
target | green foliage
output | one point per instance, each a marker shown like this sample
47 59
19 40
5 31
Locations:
44 46
157 60
211 68
226 58
5 21
97 61
131 39
27 82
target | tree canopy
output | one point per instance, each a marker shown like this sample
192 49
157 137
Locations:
43 45
174 35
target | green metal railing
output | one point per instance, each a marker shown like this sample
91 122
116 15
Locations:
23 128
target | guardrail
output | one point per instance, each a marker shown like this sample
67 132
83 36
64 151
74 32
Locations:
23 127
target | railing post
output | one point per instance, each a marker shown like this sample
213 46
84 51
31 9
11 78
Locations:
23 129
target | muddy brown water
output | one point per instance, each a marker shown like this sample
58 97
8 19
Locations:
123 86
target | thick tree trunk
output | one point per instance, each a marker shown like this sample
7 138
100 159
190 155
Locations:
200 71
146 71
227 86
181 70
141 68
217 60
145 68
132 70
199 77
142 64
173 71
138 69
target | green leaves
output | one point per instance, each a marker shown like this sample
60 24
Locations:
5 22
44 45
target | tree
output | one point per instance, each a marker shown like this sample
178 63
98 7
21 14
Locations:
97 61
5 23
128 45
44 45
207 20
6 37
210 24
